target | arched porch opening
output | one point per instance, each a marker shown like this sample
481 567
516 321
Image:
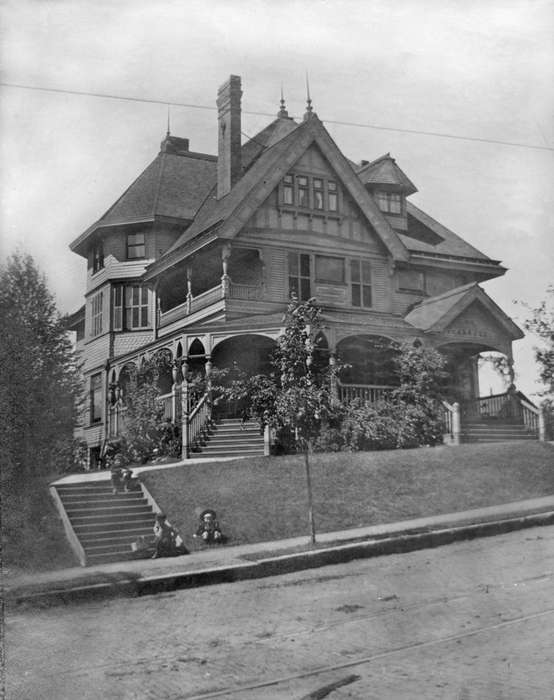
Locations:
250 353
369 371
464 367
162 361
196 359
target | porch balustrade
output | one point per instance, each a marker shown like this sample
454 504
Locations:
504 405
366 392
246 292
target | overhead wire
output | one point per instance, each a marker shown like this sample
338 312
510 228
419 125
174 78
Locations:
189 105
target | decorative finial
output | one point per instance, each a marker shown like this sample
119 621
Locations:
168 116
283 111
309 108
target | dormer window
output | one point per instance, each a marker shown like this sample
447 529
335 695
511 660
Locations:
307 192
390 202
97 257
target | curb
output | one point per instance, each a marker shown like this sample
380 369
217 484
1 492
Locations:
408 541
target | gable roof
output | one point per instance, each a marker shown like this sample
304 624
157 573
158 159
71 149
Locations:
385 171
437 313
173 185
231 213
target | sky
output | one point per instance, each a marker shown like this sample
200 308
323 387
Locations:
463 67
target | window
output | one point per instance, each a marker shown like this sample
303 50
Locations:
318 193
135 246
96 314
390 202
411 281
310 192
288 190
303 193
299 275
329 270
130 307
97 257
332 196
360 283
96 398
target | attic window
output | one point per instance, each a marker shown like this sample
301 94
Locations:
307 192
390 202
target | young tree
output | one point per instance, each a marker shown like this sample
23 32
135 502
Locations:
296 400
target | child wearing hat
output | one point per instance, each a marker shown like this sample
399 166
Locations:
208 528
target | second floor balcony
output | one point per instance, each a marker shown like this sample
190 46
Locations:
211 282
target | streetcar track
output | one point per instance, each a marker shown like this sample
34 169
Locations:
368 659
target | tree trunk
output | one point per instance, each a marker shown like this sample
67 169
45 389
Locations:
310 500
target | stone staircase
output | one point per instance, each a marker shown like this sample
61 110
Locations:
495 430
106 523
228 439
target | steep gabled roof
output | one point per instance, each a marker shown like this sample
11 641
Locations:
231 213
437 313
173 185
385 171
425 235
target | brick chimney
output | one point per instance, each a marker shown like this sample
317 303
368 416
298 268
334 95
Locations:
228 121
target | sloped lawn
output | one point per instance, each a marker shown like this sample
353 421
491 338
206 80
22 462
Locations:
262 499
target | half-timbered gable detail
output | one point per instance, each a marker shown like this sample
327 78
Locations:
199 257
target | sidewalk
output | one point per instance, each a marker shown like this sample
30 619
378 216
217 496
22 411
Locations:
233 563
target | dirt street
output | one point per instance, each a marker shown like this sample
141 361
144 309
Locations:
470 621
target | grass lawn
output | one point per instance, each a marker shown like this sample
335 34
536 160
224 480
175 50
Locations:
264 498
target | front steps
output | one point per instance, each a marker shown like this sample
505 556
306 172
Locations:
106 523
228 439
495 431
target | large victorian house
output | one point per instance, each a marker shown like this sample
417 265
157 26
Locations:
198 258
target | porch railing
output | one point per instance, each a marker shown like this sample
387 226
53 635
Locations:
247 292
504 405
205 299
512 405
366 392
197 426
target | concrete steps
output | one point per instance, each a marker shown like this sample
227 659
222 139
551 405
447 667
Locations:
489 431
106 523
228 438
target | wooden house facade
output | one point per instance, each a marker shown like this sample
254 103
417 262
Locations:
198 258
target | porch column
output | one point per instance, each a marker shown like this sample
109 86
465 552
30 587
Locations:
511 373
225 281
334 383
208 369
189 289
542 424
174 376
184 411
456 424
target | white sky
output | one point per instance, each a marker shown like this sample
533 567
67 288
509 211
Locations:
468 67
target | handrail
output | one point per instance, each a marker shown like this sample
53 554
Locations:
198 407
529 406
